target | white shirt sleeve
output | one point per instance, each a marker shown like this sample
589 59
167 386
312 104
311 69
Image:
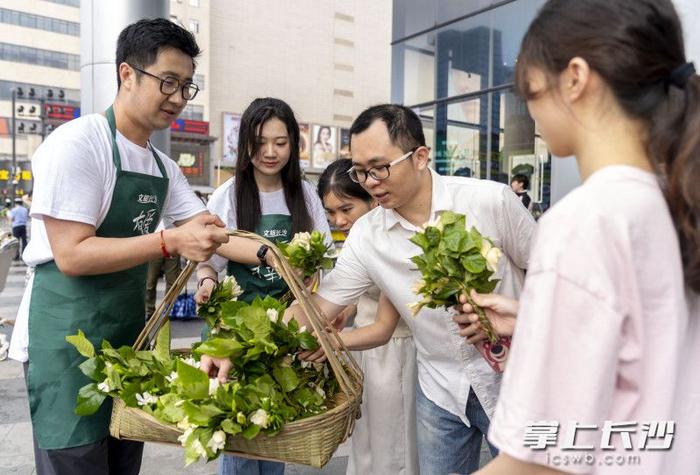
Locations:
72 179
517 226
349 278
221 205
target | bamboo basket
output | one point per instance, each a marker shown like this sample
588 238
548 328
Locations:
309 441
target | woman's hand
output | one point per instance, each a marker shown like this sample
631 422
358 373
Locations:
204 291
501 312
216 367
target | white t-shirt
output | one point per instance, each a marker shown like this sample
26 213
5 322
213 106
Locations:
221 204
601 329
378 251
74 178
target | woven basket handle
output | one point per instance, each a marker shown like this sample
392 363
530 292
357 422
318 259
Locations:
348 374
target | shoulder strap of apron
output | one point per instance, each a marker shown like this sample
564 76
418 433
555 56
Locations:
116 158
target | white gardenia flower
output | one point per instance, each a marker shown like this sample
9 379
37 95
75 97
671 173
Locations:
146 399
104 386
302 329
320 391
191 361
213 385
199 448
272 314
305 364
183 438
185 424
303 240
172 377
417 286
260 418
491 253
217 441
235 288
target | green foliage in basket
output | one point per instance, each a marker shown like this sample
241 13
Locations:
268 385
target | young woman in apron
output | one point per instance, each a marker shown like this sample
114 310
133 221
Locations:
269 197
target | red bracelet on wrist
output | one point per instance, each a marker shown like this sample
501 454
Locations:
164 249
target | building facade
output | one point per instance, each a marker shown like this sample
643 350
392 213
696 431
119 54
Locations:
453 62
329 59
40 61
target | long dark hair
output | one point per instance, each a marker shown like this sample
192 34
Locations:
247 199
335 179
636 46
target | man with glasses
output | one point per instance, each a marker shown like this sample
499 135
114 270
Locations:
100 190
458 389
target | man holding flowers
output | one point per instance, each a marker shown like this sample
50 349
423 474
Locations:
457 389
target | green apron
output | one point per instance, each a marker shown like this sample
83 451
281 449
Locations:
107 306
260 280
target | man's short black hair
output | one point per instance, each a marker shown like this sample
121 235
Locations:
404 126
523 179
140 42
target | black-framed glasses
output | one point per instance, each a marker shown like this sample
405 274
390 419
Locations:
378 173
170 85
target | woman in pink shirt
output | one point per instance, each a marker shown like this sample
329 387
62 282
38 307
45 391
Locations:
599 378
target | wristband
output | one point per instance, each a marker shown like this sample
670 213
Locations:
201 281
164 249
262 253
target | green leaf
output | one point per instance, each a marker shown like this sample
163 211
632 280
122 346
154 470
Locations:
220 348
82 344
162 350
474 263
230 427
92 368
286 377
307 341
89 400
251 431
453 239
193 382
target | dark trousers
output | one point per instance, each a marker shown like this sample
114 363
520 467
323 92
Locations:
170 267
108 456
20 232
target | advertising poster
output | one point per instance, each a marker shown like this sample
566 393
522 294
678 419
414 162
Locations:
325 145
231 125
344 151
304 145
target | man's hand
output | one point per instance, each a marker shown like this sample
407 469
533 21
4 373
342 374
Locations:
501 312
198 238
216 367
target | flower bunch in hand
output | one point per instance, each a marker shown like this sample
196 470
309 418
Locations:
307 252
455 260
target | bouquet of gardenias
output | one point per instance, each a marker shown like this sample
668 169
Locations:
308 252
455 260
268 386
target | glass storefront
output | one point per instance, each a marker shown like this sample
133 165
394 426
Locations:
454 63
